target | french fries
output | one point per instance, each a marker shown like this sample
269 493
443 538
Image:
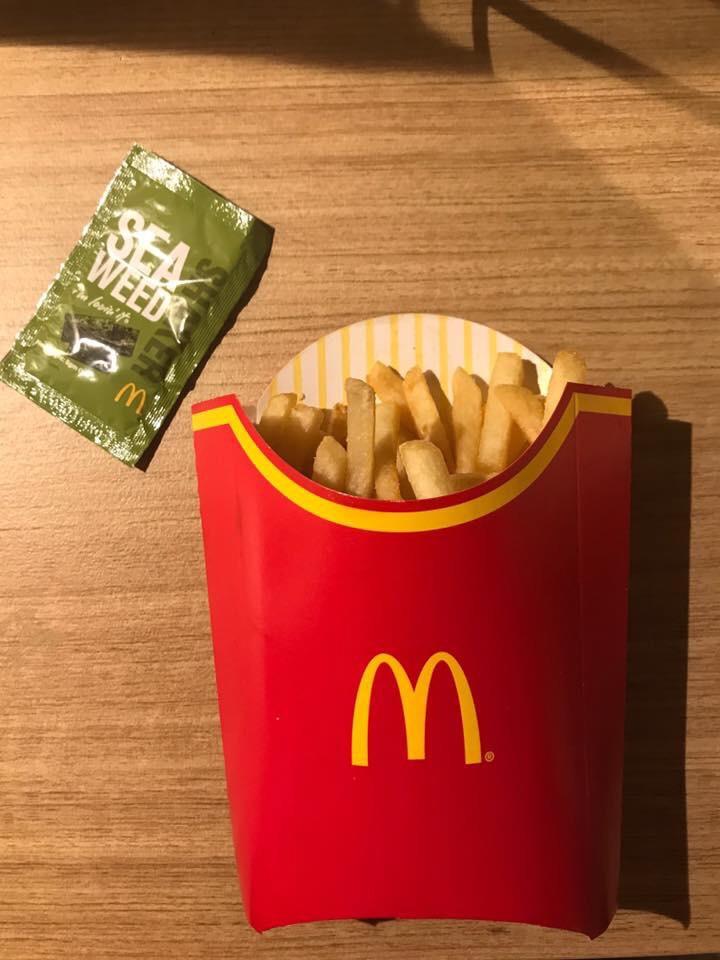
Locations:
300 434
337 423
426 469
524 407
463 481
330 464
444 408
425 414
274 420
467 417
388 385
292 429
387 431
568 368
402 439
406 491
360 437
500 438
279 406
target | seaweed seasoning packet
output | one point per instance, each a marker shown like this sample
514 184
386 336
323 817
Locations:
137 304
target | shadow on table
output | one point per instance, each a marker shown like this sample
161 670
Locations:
654 863
344 33
592 50
341 32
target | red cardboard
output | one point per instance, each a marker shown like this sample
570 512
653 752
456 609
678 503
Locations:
422 702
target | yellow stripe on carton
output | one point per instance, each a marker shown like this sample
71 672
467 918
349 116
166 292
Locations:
415 521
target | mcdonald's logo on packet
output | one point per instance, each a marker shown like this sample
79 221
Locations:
414 706
134 393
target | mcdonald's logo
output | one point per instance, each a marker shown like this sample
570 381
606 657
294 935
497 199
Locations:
133 393
414 705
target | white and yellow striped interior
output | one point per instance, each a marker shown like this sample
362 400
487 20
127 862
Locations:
403 340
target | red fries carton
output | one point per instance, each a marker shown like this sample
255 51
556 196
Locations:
422 702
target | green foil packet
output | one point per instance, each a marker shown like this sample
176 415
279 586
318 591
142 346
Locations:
137 305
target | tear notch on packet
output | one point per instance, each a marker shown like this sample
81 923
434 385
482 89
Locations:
137 305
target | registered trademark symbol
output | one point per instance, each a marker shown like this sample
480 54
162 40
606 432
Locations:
489 756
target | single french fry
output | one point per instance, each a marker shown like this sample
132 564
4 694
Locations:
300 436
569 367
330 464
426 469
444 408
500 438
464 481
280 405
524 407
406 491
467 415
387 430
388 385
337 423
274 418
387 483
426 416
360 437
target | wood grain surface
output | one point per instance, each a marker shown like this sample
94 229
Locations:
547 167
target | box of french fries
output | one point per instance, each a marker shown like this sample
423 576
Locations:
417 560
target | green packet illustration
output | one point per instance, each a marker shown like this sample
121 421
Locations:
137 305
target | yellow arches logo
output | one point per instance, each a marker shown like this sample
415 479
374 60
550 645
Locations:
134 393
414 704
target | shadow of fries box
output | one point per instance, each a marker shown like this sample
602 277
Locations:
422 703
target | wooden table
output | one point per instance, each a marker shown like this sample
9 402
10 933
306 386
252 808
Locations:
558 182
